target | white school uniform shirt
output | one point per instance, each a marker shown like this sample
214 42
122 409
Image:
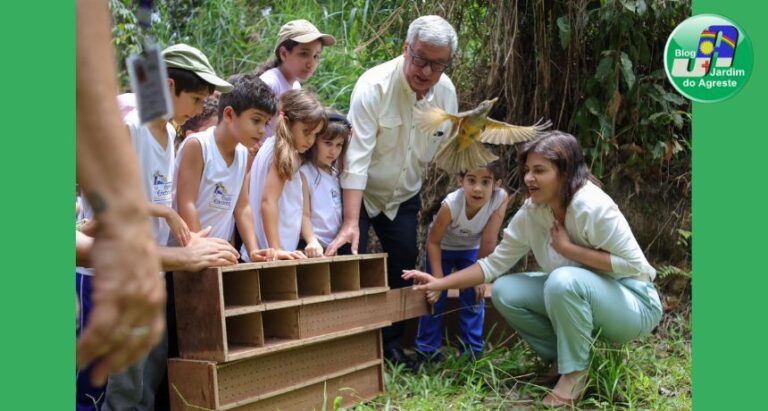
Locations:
592 220
290 207
387 153
463 233
220 185
275 79
156 168
325 202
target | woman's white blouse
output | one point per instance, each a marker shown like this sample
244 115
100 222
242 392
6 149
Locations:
592 220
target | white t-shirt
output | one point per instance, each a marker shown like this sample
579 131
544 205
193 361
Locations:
290 206
592 220
463 233
156 168
220 185
325 202
275 79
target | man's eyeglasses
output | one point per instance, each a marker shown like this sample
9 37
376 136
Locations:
421 62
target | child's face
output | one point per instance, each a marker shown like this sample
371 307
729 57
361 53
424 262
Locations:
248 127
478 185
187 104
328 151
303 136
302 61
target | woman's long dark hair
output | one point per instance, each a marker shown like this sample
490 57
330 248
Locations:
564 151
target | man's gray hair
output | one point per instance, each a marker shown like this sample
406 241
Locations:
433 30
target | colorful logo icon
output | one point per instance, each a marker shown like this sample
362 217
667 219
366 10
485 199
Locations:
708 58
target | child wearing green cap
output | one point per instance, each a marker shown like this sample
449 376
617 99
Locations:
297 55
190 80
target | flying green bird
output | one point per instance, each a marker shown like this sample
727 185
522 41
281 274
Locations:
463 149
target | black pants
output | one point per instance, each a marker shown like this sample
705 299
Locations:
399 239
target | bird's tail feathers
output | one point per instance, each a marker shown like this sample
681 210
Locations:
453 160
428 118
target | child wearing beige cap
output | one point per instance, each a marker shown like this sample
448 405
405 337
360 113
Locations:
297 55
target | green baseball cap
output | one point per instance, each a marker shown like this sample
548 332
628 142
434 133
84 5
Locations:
186 57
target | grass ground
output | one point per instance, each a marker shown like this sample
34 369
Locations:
652 373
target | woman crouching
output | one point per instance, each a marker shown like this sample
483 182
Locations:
595 276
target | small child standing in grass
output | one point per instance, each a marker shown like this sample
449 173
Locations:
323 164
466 228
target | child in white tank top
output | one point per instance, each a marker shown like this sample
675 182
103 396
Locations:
323 164
465 228
276 190
212 165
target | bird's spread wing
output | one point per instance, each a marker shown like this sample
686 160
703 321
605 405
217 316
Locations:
429 118
498 132
453 160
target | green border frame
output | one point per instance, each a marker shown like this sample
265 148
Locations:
38 168
729 289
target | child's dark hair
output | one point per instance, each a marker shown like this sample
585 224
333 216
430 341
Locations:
338 126
185 80
494 167
249 92
210 109
276 61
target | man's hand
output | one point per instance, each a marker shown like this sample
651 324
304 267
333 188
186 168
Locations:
128 316
349 233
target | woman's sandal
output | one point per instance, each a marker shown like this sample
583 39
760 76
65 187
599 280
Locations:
548 377
553 400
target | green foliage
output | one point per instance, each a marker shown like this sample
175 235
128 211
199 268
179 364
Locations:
593 68
630 108
652 373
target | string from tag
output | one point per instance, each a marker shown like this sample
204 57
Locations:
144 16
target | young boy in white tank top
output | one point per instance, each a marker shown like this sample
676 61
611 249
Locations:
211 187
465 228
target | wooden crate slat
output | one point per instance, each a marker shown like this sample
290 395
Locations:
267 375
373 273
405 303
192 384
314 279
241 353
345 276
229 385
278 284
199 319
241 288
318 319
355 387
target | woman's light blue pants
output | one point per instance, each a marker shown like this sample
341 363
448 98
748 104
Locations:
558 313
